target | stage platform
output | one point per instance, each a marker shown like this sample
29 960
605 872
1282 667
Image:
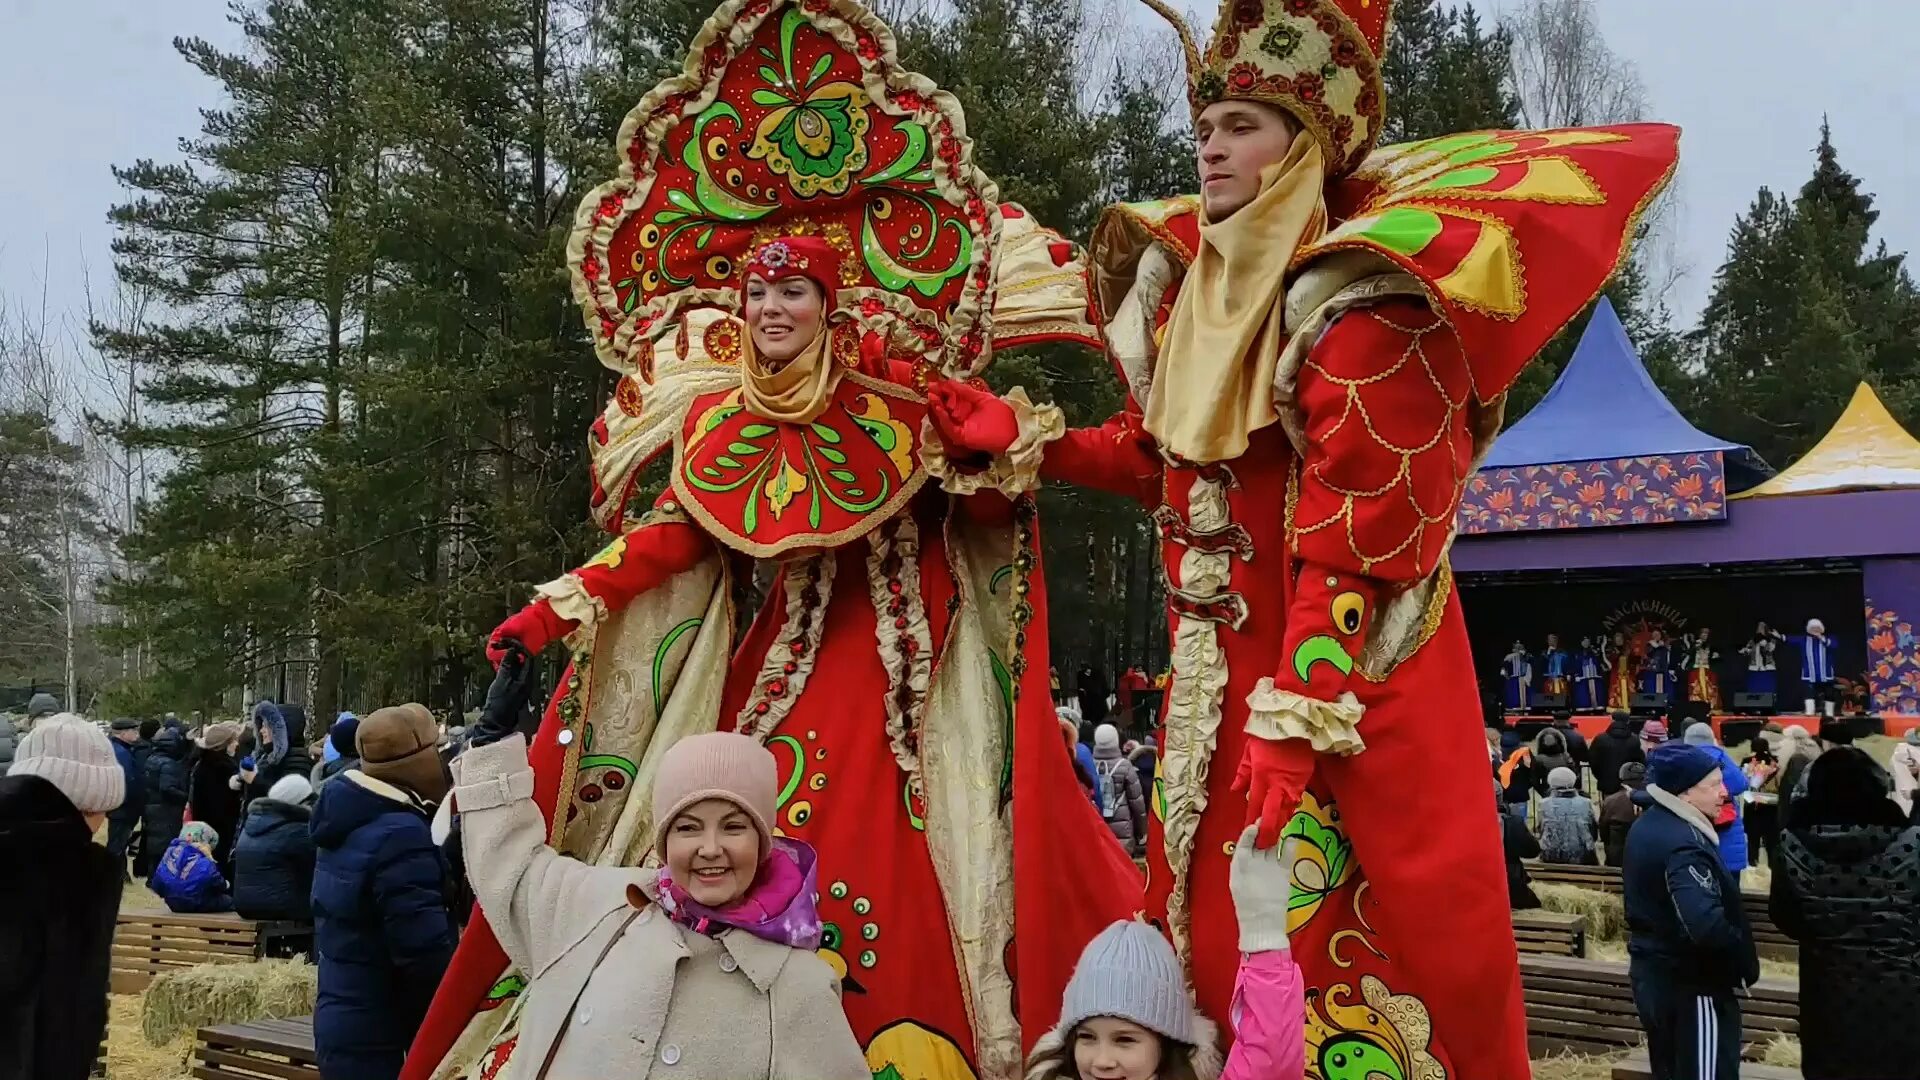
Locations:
1591 724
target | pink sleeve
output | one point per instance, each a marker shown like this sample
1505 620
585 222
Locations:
1269 1020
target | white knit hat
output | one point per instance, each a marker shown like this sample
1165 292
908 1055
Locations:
1129 972
1106 737
291 788
1562 779
718 765
74 756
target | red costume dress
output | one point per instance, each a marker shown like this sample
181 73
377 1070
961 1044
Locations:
1321 548
897 668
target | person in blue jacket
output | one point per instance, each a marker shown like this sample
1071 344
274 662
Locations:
273 859
1733 830
125 734
186 876
1689 945
381 924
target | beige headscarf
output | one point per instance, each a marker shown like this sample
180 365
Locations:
1214 385
796 392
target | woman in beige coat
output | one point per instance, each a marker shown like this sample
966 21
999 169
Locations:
704 967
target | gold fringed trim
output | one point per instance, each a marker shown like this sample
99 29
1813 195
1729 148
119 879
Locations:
1013 473
789 661
905 637
1332 727
1023 563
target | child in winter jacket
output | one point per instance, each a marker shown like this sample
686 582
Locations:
186 876
703 966
1127 1014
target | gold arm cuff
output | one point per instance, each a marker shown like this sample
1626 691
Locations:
1332 727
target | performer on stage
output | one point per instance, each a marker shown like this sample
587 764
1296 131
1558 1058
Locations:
1759 652
1703 684
796 242
1325 332
1817 677
1517 670
1558 667
1589 692
1623 672
1656 667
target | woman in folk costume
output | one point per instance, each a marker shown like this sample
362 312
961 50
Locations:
1588 692
1703 684
1623 672
796 241
1517 671
1316 348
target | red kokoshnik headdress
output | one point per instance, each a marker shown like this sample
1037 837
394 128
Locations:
795 256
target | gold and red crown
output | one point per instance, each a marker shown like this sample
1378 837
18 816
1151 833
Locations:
1317 59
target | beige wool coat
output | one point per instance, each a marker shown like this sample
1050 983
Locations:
665 1001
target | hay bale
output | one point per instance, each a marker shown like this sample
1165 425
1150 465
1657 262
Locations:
1783 1051
180 1002
1570 1066
1606 913
129 1057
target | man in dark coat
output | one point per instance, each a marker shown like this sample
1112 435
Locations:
120 823
1613 748
1690 949
273 859
381 924
1847 888
166 778
59 897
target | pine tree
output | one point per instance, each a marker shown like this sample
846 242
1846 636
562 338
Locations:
1801 312
1444 73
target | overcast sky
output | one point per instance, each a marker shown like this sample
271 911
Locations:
91 83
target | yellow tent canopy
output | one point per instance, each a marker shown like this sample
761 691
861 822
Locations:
1865 449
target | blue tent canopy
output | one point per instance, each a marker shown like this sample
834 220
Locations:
1605 406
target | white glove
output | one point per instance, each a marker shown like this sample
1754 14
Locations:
1262 883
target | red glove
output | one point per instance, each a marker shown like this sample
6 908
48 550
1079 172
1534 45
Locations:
1326 631
534 627
1274 776
970 419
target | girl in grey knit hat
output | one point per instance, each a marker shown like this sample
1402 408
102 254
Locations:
1127 1014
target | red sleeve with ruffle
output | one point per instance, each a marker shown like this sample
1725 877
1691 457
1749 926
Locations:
1118 456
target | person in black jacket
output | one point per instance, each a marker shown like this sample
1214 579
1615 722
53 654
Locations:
1519 844
59 897
167 772
381 924
273 859
1689 946
279 750
1613 748
1847 888
121 823
211 795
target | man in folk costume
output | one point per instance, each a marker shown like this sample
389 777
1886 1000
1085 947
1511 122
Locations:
1817 676
1759 653
1316 348
1517 671
1557 664
796 240
1588 694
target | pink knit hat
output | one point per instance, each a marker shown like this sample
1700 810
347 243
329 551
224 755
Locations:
74 756
720 765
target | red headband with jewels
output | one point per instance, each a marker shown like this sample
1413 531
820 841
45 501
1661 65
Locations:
810 257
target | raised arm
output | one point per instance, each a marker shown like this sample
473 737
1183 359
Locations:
665 543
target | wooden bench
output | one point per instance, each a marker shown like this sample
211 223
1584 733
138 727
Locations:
1586 1006
1550 933
147 944
260 1049
1766 936
1635 1066
1771 941
1604 878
